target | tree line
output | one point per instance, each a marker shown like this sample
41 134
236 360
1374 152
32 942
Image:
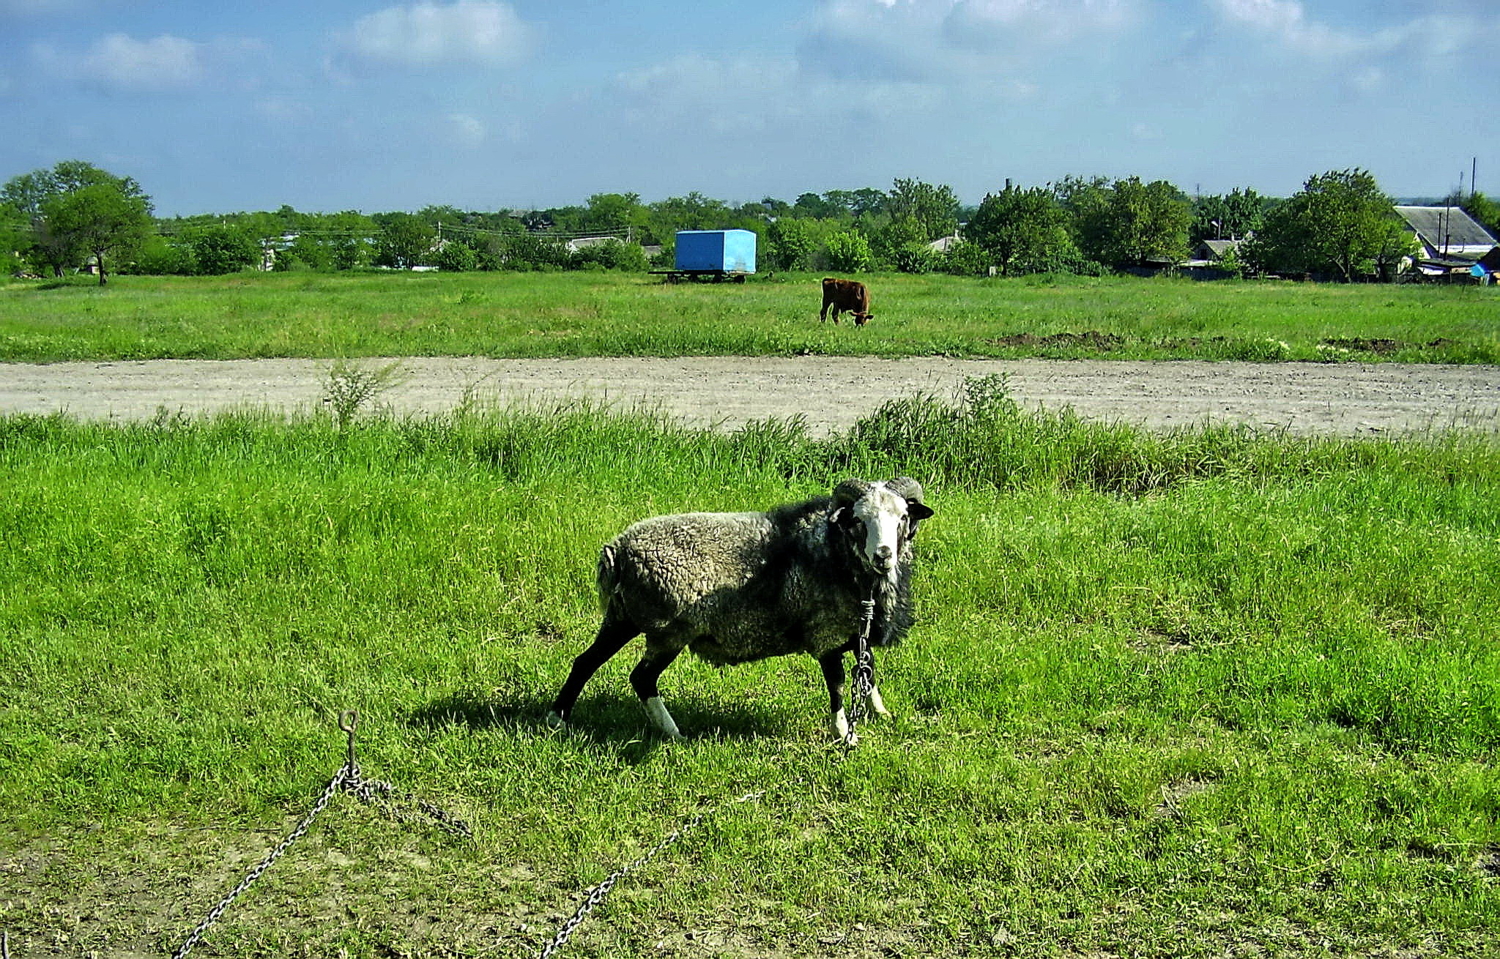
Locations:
1340 225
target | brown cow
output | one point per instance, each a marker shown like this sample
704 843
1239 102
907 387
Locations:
844 295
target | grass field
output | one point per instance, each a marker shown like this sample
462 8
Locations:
605 314
1204 694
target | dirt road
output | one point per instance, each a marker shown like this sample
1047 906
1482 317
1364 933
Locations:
831 392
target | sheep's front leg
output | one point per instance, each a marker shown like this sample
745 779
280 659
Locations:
876 704
643 679
835 677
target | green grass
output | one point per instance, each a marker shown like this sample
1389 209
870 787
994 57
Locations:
1211 693
605 314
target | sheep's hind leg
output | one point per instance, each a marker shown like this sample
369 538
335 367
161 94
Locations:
612 637
643 678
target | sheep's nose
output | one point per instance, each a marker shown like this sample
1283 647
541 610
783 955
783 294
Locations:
883 556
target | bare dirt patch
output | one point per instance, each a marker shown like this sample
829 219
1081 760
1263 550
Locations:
829 392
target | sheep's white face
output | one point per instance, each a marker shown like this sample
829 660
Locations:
882 515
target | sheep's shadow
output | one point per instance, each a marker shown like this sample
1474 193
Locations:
609 720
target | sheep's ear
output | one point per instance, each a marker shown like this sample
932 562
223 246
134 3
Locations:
841 517
918 510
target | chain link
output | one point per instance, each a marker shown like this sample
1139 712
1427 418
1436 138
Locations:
864 669
347 779
597 894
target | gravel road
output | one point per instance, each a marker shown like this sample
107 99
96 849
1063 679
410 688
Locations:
831 392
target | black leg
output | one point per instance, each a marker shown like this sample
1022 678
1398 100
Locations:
613 635
643 678
656 659
834 676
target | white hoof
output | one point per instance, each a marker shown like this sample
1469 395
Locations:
877 705
839 726
554 720
657 710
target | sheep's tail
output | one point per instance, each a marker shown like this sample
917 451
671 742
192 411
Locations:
608 577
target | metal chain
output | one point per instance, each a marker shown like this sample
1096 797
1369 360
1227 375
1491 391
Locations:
597 894
347 779
389 796
266 863
864 668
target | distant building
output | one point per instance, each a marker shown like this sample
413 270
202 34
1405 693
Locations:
1451 241
1212 251
584 242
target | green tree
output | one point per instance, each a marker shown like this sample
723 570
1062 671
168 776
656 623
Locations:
1339 222
614 212
349 237
405 241
1484 210
1232 216
965 258
893 243
790 244
221 248
1023 230
1148 222
163 256
15 236
455 256
111 216
847 251
1086 203
305 252
817 207
932 209
99 219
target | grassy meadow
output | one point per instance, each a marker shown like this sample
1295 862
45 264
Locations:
611 314
1204 694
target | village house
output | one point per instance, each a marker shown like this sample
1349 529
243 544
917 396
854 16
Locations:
1449 240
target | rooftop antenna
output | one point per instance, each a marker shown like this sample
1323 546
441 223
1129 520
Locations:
1448 215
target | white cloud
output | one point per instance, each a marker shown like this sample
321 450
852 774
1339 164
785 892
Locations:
427 34
945 40
1432 40
161 63
1047 20
749 95
1287 21
468 130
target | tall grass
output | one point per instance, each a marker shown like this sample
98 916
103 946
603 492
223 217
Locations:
607 314
1198 694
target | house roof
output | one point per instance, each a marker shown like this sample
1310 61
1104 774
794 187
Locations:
1220 247
1443 227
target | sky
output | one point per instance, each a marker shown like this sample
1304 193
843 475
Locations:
332 105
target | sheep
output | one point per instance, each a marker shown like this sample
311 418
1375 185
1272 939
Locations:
739 587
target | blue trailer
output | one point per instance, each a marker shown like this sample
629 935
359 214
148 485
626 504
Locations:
713 255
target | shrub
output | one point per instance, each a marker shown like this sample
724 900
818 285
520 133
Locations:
612 255
531 251
163 256
965 259
847 252
221 248
455 257
915 258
